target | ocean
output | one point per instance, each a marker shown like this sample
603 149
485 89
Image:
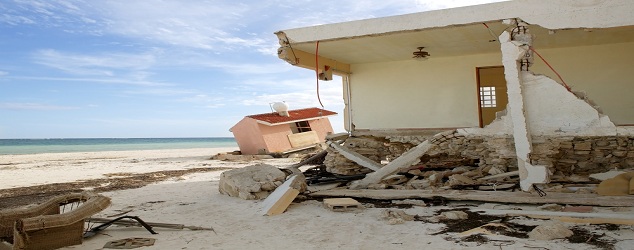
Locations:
36 146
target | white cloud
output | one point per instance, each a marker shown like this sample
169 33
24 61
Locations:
3 73
95 80
34 106
101 64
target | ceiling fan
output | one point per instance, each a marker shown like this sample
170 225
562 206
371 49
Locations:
420 54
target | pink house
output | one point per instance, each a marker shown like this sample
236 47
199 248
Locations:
273 132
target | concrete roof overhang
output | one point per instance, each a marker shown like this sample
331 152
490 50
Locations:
461 31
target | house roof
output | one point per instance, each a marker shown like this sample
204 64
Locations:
294 116
461 31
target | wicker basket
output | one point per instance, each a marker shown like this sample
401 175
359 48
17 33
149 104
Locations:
43 227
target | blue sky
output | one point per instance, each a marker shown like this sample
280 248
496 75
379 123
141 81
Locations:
161 68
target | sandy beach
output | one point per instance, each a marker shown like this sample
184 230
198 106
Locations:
192 198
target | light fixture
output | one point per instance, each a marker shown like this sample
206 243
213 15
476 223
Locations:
420 55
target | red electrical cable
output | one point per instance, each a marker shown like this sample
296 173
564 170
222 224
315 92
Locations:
317 72
551 68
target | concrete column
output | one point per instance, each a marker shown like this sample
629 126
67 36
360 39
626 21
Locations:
514 51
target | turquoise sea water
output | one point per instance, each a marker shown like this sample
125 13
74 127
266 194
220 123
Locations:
35 146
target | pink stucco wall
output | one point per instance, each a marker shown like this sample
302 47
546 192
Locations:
276 137
248 136
252 136
322 126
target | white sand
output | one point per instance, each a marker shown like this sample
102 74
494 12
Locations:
194 200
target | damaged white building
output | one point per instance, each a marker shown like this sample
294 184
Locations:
535 86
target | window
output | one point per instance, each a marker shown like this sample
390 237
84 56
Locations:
300 127
487 97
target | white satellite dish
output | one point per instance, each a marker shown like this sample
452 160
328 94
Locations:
281 108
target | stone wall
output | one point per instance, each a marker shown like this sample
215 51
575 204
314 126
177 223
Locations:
563 155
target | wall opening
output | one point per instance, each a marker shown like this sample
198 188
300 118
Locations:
492 96
300 127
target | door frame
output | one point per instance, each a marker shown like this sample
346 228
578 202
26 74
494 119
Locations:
477 69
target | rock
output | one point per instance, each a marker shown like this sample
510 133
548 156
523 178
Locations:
454 215
551 207
419 184
251 182
395 216
550 232
617 186
456 180
394 179
495 170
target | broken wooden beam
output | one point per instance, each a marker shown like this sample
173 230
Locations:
277 202
356 157
486 196
592 218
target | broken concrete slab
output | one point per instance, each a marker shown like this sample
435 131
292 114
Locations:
617 186
606 175
281 198
550 232
251 182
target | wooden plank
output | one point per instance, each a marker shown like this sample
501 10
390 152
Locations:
277 202
592 218
486 196
303 139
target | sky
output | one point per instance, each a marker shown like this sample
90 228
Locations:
162 68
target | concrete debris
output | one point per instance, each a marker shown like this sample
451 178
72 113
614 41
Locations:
395 179
551 207
395 216
606 175
419 203
252 182
550 232
454 215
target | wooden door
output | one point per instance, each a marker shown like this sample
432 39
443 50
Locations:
491 93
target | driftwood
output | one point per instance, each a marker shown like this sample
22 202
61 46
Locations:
152 224
486 196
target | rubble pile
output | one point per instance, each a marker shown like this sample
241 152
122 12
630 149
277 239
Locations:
456 160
